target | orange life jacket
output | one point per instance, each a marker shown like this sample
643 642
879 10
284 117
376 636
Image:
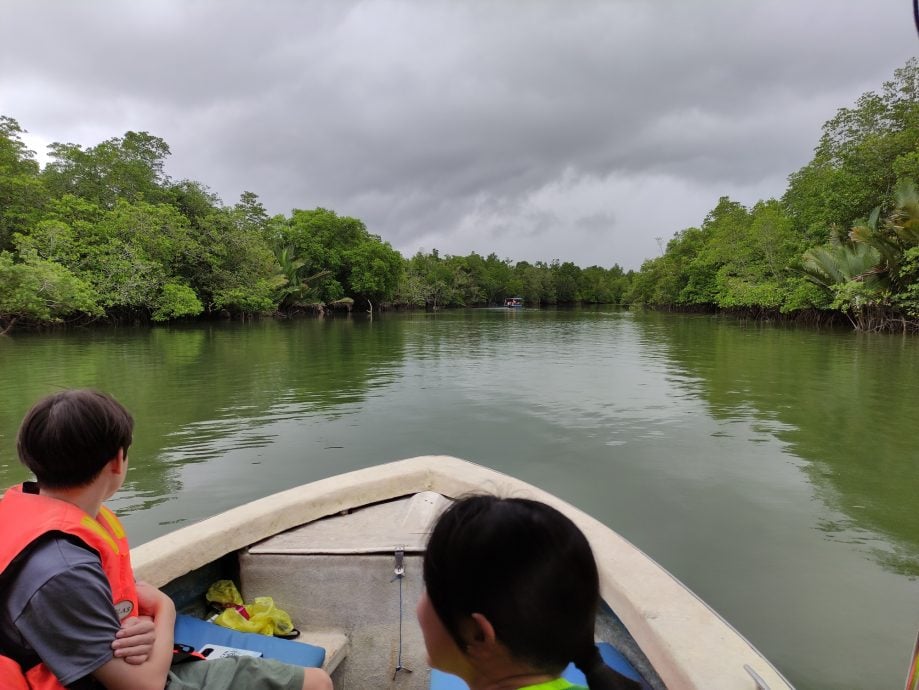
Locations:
27 516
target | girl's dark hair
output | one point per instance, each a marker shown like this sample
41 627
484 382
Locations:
68 437
530 571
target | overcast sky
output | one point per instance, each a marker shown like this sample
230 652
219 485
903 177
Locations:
573 130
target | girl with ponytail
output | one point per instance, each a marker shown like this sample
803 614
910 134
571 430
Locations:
511 597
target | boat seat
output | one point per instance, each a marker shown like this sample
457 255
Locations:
612 656
336 645
197 633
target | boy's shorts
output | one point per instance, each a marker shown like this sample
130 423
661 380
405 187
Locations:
235 673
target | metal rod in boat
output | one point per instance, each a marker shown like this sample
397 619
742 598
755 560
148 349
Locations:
399 574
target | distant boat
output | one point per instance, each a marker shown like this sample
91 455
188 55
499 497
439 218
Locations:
343 556
513 302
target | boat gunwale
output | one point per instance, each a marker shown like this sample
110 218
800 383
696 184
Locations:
686 641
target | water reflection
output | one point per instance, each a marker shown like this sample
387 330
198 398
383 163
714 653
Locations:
842 402
199 392
770 469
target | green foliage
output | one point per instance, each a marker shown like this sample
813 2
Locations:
193 200
896 234
176 301
134 251
412 290
853 295
906 166
907 298
51 240
861 154
876 268
252 299
597 285
537 286
736 292
238 270
803 294
375 269
106 229
436 281
321 239
22 193
810 250
835 264
429 280
653 284
294 287
103 227
123 168
566 278
81 214
40 290
339 256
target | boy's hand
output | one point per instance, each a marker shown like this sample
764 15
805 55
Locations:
134 641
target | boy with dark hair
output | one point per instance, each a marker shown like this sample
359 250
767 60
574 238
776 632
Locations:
71 614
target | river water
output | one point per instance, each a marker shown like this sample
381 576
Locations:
773 470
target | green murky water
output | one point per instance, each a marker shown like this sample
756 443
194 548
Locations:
774 470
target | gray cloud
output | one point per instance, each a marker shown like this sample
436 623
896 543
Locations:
540 130
596 222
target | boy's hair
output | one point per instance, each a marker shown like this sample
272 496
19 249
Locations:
525 567
68 437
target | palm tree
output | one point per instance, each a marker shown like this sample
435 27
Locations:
868 272
293 288
837 263
904 220
894 236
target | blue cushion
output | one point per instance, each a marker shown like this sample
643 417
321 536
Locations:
446 681
612 656
196 633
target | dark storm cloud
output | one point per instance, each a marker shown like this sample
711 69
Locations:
465 126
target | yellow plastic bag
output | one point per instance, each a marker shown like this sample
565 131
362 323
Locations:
261 616
224 592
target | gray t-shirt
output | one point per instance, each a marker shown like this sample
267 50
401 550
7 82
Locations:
58 605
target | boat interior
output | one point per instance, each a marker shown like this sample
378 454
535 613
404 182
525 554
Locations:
343 556
351 582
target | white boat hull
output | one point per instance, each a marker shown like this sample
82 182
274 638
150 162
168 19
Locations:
685 641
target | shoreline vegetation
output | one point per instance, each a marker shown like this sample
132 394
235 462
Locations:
102 234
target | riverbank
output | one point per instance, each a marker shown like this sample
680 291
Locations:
815 319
